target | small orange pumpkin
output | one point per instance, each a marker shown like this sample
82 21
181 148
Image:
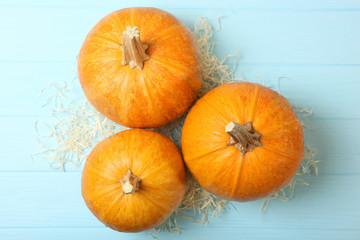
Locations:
134 180
140 67
242 141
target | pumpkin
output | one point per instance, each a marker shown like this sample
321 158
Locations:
140 67
134 180
242 141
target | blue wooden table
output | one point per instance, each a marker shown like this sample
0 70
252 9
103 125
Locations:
316 43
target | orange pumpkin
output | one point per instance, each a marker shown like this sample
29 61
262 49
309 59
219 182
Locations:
134 180
140 67
242 141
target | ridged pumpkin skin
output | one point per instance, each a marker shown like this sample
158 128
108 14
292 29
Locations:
220 168
168 83
150 156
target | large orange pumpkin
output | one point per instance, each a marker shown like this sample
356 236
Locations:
134 180
242 141
140 67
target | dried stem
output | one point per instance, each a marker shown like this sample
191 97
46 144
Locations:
130 183
133 49
244 138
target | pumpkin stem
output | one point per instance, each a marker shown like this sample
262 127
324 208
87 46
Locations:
133 49
244 138
130 183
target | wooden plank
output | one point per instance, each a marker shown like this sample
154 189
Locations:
44 200
331 90
284 37
290 37
191 232
337 146
242 4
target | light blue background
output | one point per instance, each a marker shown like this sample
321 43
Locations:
316 43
